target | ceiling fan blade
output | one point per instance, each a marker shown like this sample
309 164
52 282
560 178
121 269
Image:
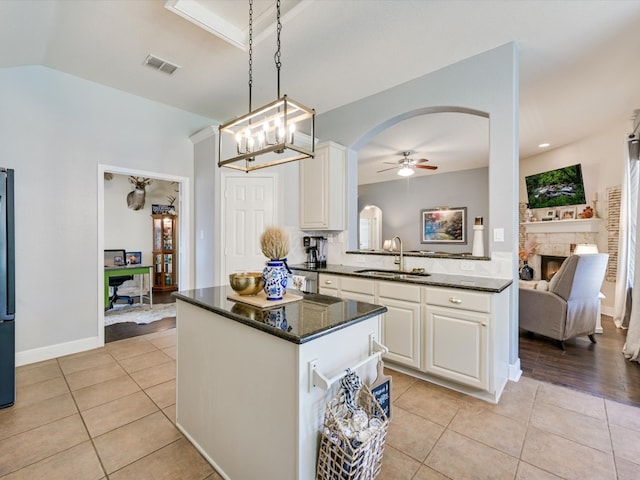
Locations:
422 160
427 167
391 163
384 170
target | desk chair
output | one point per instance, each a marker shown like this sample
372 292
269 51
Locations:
115 282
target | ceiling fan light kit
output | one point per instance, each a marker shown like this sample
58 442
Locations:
269 135
406 171
406 166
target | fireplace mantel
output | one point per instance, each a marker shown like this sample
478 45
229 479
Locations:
564 226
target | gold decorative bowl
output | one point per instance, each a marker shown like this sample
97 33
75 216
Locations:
246 283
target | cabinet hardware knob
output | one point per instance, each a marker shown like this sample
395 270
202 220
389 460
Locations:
455 300
484 324
328 282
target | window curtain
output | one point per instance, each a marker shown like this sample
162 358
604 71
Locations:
627 295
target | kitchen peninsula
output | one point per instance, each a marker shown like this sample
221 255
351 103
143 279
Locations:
448 329
245 385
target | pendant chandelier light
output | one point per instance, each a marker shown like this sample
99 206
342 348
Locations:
279 132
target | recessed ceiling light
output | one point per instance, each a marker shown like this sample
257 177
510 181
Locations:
544 145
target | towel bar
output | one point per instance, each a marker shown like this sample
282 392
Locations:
317 379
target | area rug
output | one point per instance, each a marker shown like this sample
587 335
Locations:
139 313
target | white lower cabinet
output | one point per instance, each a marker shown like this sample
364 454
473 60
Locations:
360 289
328 285
454 337
456 345
401 325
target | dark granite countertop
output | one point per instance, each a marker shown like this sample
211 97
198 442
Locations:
298 322
482 284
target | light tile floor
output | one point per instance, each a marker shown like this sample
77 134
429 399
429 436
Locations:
109 414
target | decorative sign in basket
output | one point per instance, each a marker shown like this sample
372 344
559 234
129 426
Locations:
353 436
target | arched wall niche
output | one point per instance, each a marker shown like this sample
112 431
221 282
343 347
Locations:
454 138
486 82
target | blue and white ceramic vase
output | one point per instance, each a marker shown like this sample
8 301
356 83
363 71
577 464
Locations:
274 277
277 317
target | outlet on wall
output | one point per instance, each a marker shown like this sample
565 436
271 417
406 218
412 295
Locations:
467 265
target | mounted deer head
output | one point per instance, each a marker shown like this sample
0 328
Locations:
135 199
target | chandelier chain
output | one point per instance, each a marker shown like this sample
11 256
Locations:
277 55
250 50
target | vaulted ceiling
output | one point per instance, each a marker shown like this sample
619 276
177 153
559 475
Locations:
579 67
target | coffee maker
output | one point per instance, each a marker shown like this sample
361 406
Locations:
316 250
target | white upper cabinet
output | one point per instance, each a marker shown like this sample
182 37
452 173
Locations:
322 188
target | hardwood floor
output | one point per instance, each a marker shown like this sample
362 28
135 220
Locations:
599 369
120 331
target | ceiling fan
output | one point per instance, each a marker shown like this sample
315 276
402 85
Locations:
407 165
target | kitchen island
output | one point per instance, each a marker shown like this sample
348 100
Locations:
245 384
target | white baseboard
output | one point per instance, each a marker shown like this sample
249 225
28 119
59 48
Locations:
27 357
515 372
608 311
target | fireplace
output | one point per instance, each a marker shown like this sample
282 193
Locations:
550 264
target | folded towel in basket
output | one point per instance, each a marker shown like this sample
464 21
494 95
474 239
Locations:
299 282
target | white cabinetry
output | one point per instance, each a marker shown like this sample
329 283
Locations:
328 285
322 188
401 323
462 339
360 289
453 337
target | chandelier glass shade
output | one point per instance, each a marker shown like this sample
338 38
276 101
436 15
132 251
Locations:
279 132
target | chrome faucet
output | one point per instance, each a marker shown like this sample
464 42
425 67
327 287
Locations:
400 260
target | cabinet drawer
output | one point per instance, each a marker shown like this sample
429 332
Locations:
328 281
461 299
399 291
358 285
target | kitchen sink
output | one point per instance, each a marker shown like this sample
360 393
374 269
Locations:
394 274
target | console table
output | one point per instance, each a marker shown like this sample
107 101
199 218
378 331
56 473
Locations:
127 270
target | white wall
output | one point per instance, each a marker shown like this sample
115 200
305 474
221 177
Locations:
55 129
602 156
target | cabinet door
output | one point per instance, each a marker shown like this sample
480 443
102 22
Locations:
322 185
401 331
456 345
332 292
360 297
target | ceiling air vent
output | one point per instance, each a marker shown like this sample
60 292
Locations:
159 64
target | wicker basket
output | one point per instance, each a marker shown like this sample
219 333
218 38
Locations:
338 458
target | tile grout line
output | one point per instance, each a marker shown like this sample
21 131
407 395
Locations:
93 445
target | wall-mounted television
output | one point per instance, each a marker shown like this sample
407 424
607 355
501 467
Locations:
563 186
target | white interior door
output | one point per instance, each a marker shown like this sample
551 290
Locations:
249 206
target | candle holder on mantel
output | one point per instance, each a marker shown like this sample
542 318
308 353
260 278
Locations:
478 241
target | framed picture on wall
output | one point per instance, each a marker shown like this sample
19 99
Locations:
443 225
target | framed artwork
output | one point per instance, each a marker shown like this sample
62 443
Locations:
443 225
118 261
568 213
134 258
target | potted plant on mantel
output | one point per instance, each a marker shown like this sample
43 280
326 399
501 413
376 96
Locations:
274 243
